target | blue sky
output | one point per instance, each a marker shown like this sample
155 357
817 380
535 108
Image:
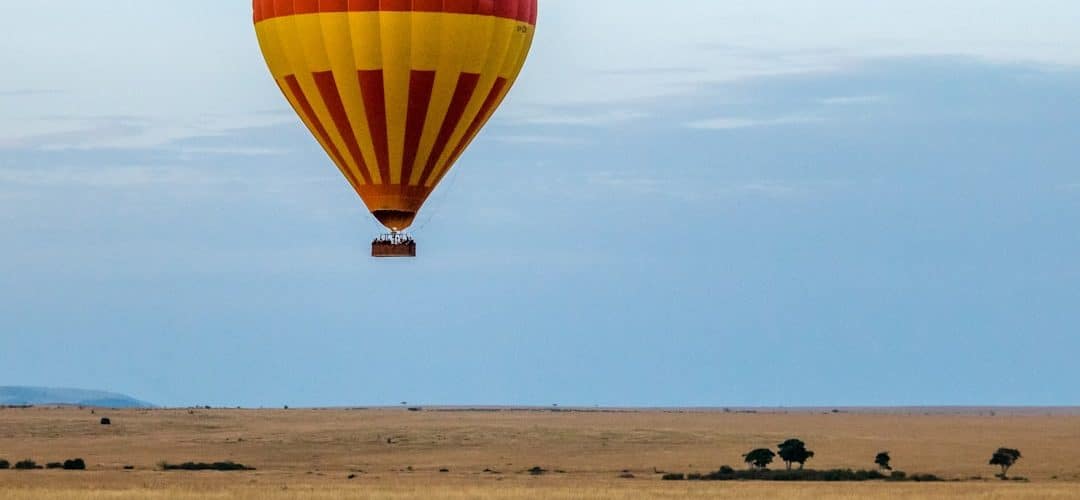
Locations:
733 203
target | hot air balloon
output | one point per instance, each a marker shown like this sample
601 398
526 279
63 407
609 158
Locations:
395 90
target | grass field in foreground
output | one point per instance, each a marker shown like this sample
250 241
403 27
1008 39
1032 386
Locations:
601 492
394 453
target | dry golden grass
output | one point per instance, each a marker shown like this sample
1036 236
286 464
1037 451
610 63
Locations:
651 490
308 454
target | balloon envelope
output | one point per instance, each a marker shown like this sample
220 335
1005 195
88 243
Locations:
395 90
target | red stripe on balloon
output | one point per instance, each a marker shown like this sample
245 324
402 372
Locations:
421 84
282 8
371 87
481 118
320 130
466 87
330 95
333 5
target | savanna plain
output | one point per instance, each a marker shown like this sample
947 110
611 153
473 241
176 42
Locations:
526 453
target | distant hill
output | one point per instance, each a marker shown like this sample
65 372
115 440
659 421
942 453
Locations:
15 396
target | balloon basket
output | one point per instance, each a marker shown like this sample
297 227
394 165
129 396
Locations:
395 245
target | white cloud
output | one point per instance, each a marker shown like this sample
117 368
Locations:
703 190
537 139
723 123
102 177
593 119
138 176
129 132
853 100
231 151
639 51
598 52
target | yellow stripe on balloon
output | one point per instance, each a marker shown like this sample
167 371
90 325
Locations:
301 39
508 38
395 34
452 55
341 52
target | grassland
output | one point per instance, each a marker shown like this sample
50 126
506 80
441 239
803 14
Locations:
393 453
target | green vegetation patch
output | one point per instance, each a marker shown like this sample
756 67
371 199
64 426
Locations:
202 466
729 474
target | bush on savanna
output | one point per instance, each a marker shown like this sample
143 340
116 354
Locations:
1005 458
759 458
834 475
54 465
924 478
900 476
4 464
27 465
202 466
793 451
105 421
882 460
75 464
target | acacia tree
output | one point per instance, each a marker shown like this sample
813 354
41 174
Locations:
1005 458
882 460
759 458
794 451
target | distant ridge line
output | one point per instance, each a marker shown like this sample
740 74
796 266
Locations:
21 396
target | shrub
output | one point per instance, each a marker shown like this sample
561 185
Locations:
1005 458
925 478
75 464
869 475
26 465
725 473
793 451
898 475
729 474
673 477
759 458
226 466
4 464
882 460
54 465
537 471
106 421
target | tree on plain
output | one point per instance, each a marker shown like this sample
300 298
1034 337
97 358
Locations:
759 458
793 451
882 460
1005 458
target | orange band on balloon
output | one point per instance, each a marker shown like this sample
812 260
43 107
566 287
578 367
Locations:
519 10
